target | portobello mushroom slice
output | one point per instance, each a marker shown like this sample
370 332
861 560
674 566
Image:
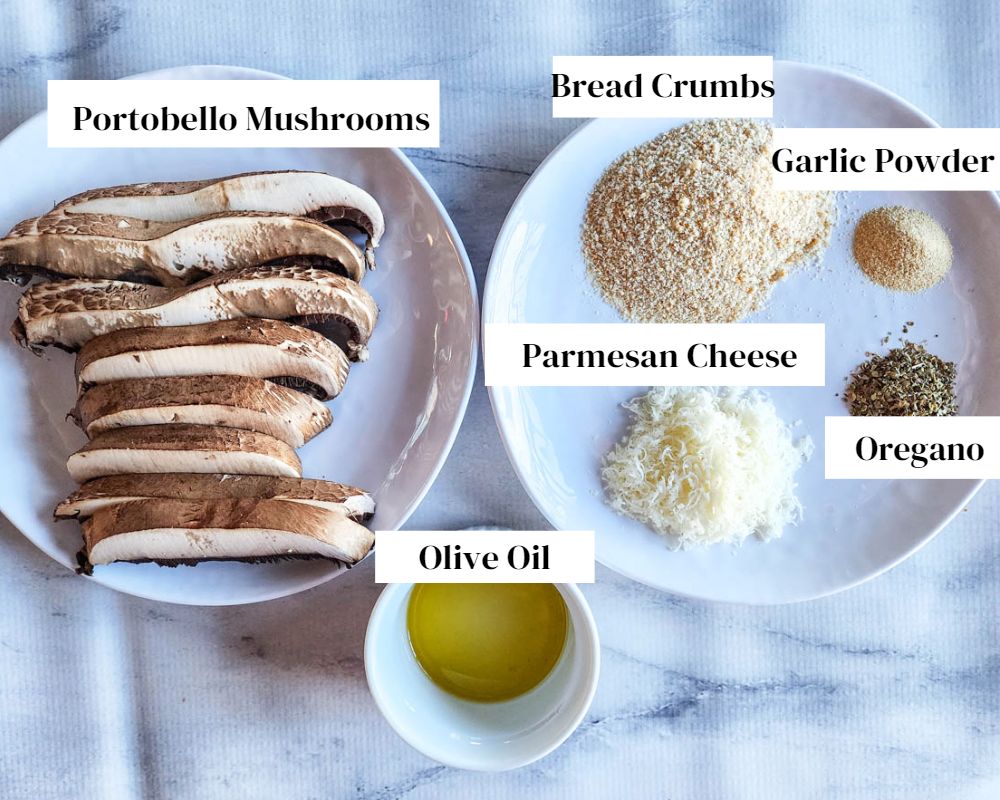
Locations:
182 448
69 313
173 532
230 401
172 253
269 349
99 493
310 194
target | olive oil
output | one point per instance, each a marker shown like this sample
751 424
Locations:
487 642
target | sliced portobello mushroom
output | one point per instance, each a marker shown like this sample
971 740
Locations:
69 313
99 493
182 448
230 401
287 354
174 532
310 194
171 253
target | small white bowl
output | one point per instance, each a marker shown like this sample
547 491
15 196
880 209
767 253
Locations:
479 736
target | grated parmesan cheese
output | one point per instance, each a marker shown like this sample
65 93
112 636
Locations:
704 466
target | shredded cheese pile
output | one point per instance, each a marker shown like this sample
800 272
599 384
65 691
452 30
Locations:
704 466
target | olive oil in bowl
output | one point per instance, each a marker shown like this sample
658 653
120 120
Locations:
487 642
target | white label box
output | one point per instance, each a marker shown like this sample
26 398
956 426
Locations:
631 354
912 447
232 113
886 159
484 557
662 86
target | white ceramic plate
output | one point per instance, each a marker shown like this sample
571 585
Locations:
399 413
852 530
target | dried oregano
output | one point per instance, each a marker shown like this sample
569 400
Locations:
905 382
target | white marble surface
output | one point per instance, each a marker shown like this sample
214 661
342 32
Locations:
889 691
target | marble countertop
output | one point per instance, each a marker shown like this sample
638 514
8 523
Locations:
891 690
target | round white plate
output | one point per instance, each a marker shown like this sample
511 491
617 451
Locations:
395 422
852 530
